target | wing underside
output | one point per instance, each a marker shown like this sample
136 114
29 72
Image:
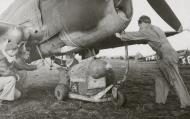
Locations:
23 12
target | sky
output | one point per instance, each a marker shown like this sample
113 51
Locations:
141 7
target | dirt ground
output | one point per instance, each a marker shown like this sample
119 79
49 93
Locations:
38 101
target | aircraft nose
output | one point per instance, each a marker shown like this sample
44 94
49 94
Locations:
124 8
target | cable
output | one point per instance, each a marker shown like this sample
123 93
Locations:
43 59
127 67
127 62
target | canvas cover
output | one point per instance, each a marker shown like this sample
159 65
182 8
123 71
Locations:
25 12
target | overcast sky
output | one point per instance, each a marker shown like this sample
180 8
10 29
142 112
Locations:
141 7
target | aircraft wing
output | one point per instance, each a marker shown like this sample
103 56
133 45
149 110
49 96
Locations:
23 12
4 27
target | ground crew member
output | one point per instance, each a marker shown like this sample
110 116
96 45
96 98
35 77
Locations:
9 47
17 69
7 76
168 62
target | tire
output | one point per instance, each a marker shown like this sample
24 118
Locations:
61 92
120 100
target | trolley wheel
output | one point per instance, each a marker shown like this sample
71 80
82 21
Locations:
61 92
118 99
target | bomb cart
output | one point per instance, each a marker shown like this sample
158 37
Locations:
91 80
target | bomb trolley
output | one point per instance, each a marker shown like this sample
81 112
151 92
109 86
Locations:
91 80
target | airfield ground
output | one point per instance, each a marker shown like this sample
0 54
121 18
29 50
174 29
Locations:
39 101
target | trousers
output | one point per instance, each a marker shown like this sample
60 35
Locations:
171 77
7 88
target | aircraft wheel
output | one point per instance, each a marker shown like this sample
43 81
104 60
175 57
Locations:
61 92
118 99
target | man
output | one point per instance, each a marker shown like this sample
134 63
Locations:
7 76
9 44
168 62
17 70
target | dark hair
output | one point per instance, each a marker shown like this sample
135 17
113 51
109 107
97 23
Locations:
144 19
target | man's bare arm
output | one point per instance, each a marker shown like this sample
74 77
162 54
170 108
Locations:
132 36
22 65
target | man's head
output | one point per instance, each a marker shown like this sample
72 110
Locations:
14 36
144 21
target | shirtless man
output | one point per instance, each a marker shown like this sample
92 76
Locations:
7 76
9 44
168 62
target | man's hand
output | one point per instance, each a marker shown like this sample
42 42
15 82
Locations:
118 35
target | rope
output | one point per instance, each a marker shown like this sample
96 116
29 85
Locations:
127 62
127 67
68 37
41 56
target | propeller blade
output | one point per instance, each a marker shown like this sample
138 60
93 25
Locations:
166 13
171 33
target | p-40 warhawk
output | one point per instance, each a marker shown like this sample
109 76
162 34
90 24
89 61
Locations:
58 27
